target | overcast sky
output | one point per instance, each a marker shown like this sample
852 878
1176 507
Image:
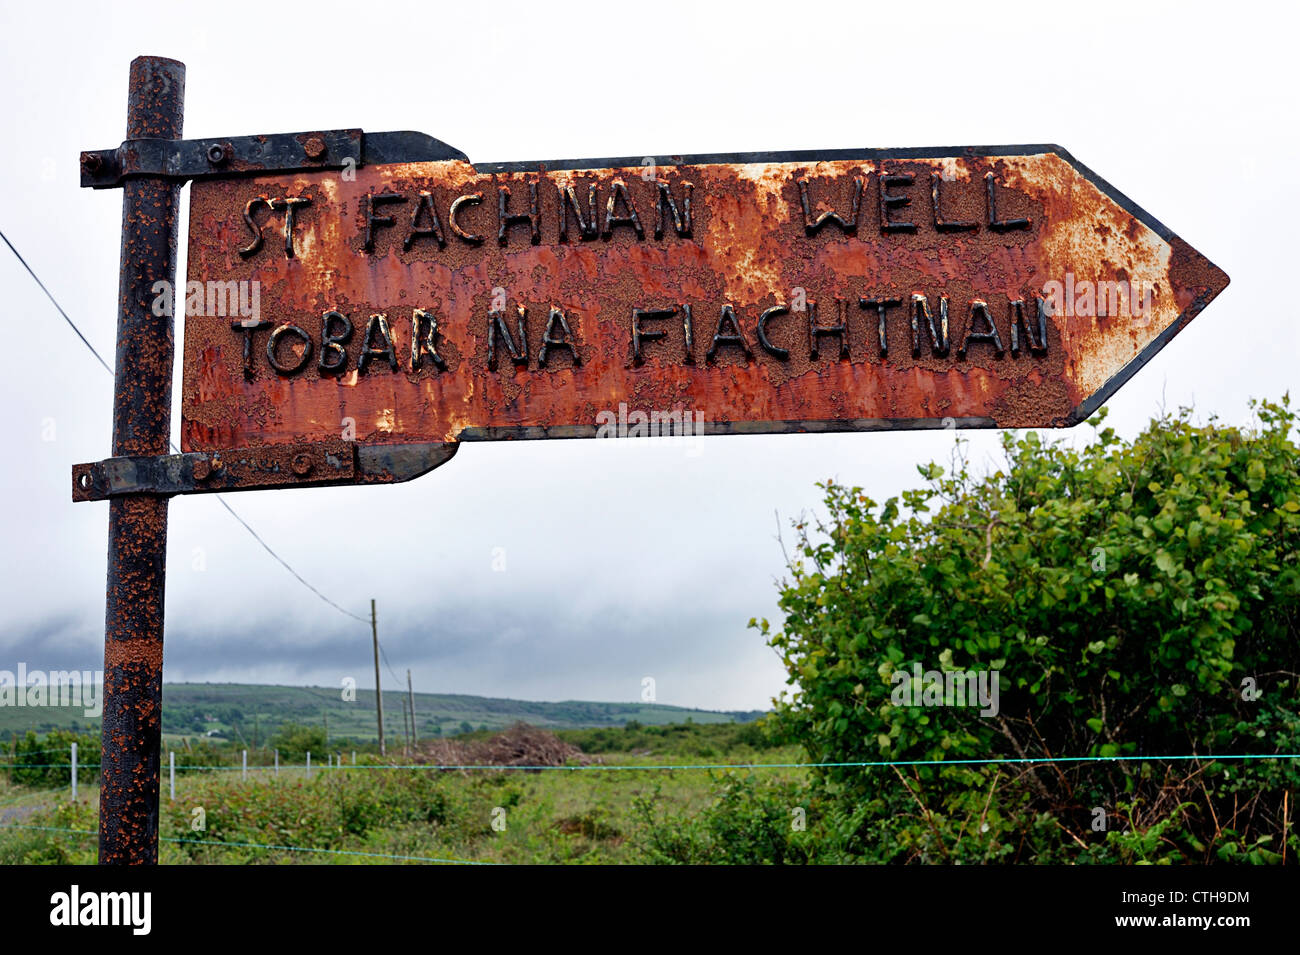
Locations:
621 561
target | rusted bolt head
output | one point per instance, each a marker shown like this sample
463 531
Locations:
302 464
91 161
216 154
202 468
314 147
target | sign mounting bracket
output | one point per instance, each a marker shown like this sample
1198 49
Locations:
265 154
261 467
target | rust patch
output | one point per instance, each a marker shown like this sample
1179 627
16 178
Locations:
133 653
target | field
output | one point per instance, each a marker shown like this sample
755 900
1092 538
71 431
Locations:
250 714
597 810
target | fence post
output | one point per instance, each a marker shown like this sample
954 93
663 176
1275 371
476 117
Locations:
74 772
308 762
171 771
354 757
277 762
243 773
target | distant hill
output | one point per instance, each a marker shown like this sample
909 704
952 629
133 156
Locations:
250 713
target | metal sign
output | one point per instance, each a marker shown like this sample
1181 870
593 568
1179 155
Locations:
357 304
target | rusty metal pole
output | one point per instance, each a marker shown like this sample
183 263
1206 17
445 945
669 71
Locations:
137 524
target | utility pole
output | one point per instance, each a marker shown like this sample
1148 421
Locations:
379 694
410 695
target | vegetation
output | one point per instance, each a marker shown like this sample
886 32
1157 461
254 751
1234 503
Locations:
378 815
736 742
294 742
249 715
47 760
1137 600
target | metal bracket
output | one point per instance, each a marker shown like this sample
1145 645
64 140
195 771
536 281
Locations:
257 155
322 464
214 158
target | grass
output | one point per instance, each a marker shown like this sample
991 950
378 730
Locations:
550 816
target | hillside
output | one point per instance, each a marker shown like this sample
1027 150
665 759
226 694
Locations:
251 713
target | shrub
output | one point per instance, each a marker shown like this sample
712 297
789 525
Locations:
295 741
1129 595
46 761
749 822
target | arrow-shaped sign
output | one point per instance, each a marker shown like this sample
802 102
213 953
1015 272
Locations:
416 299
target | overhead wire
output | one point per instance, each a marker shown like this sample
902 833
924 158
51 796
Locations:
233 513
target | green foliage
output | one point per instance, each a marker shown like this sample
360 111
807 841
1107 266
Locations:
295 741
68 838
1123 592
204 755
594 824
46 761
739 742
748 822
331 810
554 817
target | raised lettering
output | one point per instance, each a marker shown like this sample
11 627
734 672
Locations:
373 220
505 218
377 327
618 193
980 309
938 336
889 200
721 337
331 343
432 231
453 217
565 339
273 347
813 226
424 340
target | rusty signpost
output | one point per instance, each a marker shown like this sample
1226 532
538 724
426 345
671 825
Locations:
357 305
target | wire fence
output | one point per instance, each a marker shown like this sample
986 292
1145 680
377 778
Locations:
609 767
590 767
38 752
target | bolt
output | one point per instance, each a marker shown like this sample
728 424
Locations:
216 154
202 468
92 162
302 464
314 147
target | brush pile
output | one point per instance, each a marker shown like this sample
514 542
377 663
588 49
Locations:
520 745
